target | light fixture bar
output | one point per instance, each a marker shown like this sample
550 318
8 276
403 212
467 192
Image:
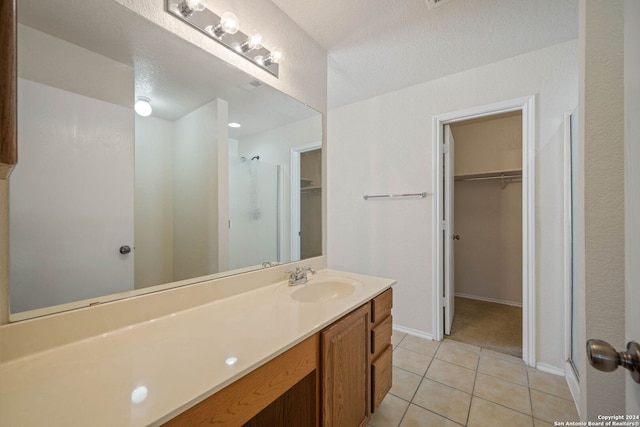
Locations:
205 20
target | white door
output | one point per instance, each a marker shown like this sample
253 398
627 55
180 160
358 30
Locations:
632 191
449 285
71 199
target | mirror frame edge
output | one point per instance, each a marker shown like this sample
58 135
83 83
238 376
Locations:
8 88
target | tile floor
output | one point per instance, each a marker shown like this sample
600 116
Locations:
452 384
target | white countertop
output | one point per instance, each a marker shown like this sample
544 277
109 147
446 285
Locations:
176 360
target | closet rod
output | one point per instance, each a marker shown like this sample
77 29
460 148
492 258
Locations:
483 178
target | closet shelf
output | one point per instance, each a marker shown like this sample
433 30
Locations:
511 173
314 189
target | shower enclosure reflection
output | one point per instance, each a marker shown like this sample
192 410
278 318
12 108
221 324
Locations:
254 212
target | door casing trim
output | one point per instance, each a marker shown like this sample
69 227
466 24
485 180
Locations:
527 106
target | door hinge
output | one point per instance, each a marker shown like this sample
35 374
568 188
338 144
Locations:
444 225
444 302
445 148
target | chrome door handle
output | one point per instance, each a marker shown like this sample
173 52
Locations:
604 357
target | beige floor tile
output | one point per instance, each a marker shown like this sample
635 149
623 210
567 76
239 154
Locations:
419 417
410 360
443 400
488 414
505 393
497 355
452 375
420 345
551 408
404 384
466 346
540 423
396 337
457 354
503 369
549 383
389 413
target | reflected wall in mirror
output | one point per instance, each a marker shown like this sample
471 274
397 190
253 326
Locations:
192 198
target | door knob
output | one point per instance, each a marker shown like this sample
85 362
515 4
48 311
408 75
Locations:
456 237
125 249
604 357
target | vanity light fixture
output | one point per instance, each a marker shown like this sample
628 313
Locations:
228 24
188 7
254 41
225 29
143 106
275 57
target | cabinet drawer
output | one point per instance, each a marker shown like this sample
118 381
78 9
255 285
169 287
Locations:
381 306
381 336
381 377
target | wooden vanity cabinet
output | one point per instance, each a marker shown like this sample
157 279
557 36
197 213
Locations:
381 348
335 378
345 370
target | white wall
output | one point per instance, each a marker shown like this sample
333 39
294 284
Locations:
488 256
384 145
153 215
195 193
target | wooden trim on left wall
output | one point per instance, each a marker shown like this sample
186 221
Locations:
8 88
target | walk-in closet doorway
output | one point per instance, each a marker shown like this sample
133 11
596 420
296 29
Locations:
484 249
487 233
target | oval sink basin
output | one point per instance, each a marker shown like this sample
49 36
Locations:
324 289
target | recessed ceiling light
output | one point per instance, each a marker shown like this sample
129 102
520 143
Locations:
234 125
143 106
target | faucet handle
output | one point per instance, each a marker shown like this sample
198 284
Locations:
308 268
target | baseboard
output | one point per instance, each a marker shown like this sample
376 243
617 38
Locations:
497 301
550 369
413 332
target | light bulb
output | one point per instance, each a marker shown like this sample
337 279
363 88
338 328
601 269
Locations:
275 57
143 107
229 24
254 41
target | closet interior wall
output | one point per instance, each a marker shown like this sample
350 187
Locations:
488 212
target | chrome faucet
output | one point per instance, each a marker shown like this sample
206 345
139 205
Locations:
267 264
299 275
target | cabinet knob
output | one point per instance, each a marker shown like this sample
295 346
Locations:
604 357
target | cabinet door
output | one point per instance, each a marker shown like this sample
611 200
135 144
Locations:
346 382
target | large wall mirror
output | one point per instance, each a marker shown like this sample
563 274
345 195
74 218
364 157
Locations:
105 203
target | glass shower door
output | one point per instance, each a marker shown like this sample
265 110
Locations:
254 211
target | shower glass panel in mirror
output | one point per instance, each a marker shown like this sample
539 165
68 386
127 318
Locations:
107 204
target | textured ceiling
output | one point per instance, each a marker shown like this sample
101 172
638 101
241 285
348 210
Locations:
378 46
